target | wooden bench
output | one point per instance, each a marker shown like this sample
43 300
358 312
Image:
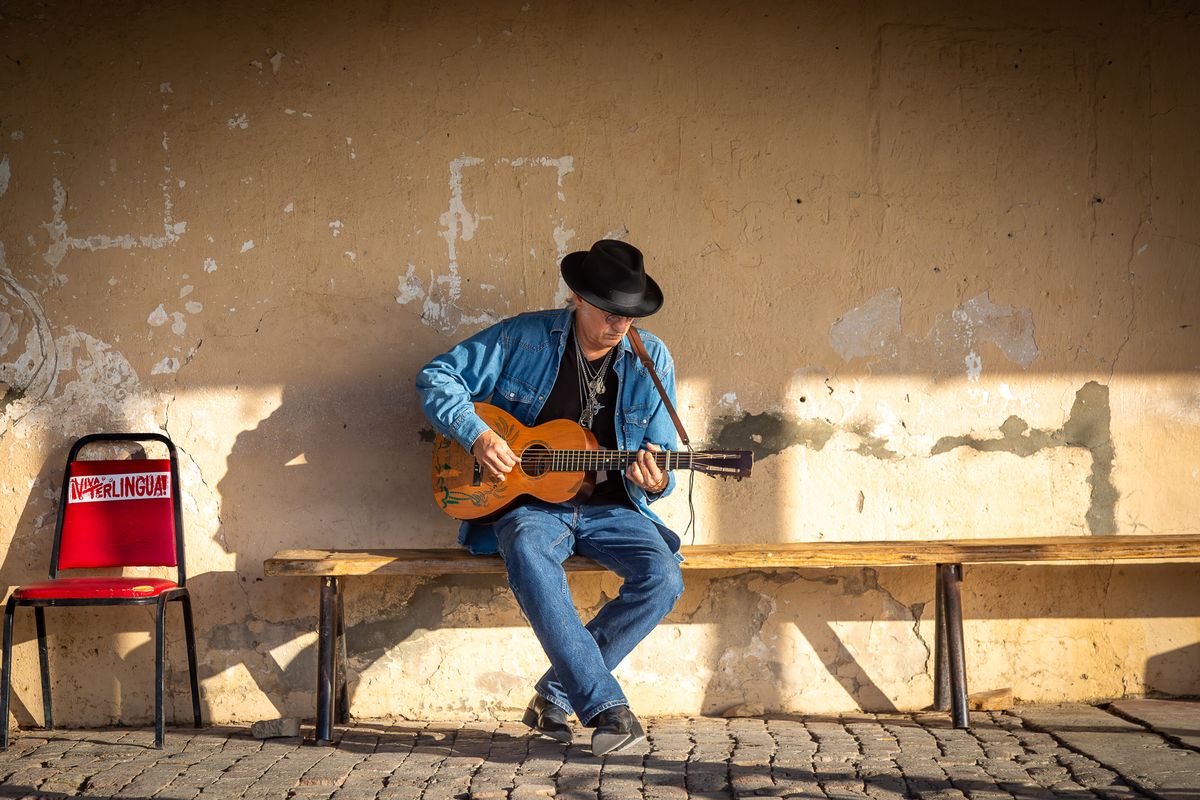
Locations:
946 556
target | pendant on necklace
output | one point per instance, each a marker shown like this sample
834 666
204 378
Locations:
598 386
593 408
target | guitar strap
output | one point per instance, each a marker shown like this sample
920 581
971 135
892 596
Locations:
635 339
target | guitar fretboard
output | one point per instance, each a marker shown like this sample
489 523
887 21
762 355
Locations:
539 460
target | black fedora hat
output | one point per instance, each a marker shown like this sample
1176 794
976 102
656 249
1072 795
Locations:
612 277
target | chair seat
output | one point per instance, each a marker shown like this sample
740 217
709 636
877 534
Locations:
99 588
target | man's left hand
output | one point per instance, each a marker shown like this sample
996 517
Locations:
645 472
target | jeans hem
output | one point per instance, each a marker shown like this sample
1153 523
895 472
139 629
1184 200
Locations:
565 708
602 707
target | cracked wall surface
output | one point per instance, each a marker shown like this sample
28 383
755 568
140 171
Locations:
936 265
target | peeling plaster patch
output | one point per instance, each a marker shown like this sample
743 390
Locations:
873 330
61 242
247 245
409 287
617 233
165 367
239 121
289 208
17 136
210 265
336 227
1088 427
276 62
193 307
5 175
974 366
350 254
440 309
185 291
179 325
29 377
158 316
869 330
353 155
165 88
72 382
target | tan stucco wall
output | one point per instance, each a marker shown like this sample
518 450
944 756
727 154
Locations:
936 264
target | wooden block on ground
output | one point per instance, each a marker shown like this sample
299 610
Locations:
992 700
275 728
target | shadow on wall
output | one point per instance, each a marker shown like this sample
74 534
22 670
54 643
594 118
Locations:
1167 673
321 471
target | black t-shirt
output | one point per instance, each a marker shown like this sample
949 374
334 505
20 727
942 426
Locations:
564 403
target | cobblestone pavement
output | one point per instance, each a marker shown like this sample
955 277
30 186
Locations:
860 756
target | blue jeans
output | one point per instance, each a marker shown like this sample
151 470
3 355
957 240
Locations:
535 540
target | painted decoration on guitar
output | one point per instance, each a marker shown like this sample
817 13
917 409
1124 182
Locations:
558 462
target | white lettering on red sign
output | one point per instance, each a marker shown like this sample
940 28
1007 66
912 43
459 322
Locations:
133 486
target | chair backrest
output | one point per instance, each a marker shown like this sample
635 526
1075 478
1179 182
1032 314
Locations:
119 513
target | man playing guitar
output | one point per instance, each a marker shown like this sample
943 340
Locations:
575 363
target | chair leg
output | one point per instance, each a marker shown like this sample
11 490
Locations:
6 671
189 634
39 616
160 652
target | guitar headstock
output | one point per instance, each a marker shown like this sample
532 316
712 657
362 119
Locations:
724 463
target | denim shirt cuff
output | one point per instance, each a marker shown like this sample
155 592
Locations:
468 427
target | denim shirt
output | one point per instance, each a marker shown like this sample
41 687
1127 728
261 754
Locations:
513 365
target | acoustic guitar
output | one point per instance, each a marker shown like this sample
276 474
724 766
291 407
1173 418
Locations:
558 462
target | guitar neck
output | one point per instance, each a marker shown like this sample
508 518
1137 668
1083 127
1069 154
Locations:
598 460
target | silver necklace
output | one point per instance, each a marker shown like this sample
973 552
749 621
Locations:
591 385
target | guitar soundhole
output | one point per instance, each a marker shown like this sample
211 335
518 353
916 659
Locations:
535 460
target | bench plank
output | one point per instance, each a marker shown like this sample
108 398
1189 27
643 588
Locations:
780 555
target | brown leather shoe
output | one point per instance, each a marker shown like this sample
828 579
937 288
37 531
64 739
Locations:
547 719
616 728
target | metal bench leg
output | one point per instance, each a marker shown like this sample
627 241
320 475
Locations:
326 658
951 575
39 617
941 658
343 698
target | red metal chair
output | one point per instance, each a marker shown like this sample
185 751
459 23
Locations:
111 514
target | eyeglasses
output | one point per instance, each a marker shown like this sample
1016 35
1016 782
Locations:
613 319
609 319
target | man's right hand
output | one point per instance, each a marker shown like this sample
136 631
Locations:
493 452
